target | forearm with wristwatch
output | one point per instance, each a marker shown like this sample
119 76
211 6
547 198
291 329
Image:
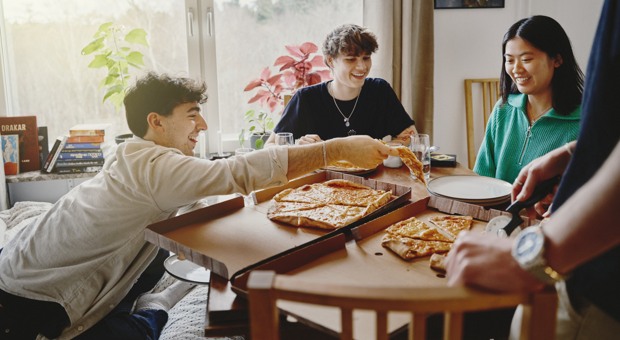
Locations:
528 250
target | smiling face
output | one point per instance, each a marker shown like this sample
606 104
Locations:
350 71
530 68
180 129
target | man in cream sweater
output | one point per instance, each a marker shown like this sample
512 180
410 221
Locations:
78 269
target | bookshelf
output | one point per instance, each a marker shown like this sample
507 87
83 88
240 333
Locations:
42 187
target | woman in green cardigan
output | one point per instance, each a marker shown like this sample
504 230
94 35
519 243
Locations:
541 86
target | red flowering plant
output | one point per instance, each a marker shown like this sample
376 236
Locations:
300 68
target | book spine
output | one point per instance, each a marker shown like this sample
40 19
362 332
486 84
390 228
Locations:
79 169
63 140
86 132
66 155
66 150
90 146
85 139
50 155
73 163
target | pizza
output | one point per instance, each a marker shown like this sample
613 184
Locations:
411 248
438 262
412 162
416 229
329 205
413 238
451 225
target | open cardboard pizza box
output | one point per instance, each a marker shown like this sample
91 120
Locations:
230 237
359 259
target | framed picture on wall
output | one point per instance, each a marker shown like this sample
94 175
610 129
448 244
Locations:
447 4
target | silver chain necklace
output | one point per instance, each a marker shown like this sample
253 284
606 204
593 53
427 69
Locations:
346 119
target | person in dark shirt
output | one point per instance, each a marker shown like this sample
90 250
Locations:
351 103
581 238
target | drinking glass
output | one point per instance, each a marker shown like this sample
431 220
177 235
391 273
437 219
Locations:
420 146
284 138
393 161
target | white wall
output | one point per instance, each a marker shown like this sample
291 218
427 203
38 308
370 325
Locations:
468 45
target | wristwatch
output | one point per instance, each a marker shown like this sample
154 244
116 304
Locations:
528 250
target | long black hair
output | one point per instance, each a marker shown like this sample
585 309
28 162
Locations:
547 35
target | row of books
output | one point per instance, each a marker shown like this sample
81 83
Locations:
78 152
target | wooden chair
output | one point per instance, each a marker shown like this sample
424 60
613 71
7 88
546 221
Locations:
489 88
266 288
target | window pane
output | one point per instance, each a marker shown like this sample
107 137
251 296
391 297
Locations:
51 79
251 34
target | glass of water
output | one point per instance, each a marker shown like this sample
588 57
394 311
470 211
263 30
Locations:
420 146
284 138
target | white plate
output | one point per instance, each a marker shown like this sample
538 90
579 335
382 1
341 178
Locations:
187 270
470 188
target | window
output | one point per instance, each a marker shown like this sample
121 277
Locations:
250 35
224 42
49 77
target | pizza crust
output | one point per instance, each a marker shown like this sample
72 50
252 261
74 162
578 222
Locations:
409 248
438 262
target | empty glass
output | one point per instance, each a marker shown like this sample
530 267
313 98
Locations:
420 146
284 138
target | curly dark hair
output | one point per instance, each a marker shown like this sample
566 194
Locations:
349 39
159 93
547 35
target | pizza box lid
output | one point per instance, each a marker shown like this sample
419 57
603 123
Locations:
229 236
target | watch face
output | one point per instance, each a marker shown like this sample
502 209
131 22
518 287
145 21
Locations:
528 246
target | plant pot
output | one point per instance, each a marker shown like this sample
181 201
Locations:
121 138
257 140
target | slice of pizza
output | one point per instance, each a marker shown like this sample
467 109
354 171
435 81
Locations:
343 192
437 262
416 229
330 216
409 248
303 194
412 162
451 225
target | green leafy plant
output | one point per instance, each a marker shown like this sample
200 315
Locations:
300 68
115 50
260 123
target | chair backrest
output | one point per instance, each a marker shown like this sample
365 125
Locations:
267 288
489 88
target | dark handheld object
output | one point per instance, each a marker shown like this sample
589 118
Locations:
539 193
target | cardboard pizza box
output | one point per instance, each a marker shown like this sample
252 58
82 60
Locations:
360 259
230 236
